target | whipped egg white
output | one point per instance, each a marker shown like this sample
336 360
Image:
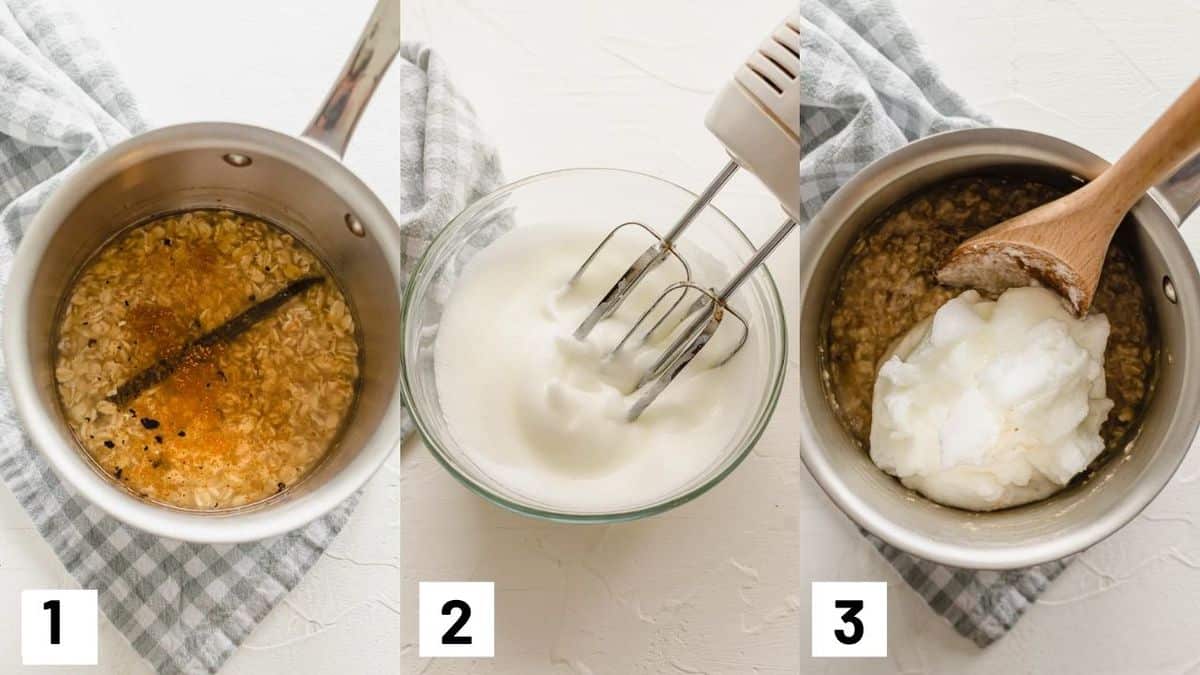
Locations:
544 414
992 404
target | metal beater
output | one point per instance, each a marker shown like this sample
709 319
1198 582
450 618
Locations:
757 117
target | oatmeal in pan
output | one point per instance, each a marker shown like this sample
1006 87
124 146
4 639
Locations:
206 360
887 286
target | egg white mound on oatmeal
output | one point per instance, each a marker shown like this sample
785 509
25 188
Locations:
992 404
236 421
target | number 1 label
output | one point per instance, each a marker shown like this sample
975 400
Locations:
849 618
58 628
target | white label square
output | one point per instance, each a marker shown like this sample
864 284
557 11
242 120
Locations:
58 628
457 618
849 618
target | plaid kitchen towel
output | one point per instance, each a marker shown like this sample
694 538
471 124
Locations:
866 90
446 162
184 607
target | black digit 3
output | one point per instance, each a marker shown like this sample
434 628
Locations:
852 607
52 605
451 636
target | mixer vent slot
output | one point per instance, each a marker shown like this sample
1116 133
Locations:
794 51
790 75
794 28
770 83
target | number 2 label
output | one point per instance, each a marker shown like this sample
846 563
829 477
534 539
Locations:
849 618
456 618
451 636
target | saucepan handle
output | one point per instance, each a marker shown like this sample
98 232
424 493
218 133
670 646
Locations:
1180 192
377 46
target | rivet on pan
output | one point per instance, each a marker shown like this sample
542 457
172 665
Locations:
236 159
1169 290
354 226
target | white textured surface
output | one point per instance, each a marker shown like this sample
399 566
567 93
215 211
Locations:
266 63
712 587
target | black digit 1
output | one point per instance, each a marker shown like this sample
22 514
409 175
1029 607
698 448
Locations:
852 607
451 636
52 605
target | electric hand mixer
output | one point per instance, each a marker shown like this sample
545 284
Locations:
757 117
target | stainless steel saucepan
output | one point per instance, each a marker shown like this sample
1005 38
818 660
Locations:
298 183
1081 515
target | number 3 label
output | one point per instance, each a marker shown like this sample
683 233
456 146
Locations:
456 618
58 628
849 618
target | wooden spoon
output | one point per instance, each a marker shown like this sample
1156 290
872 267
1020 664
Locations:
1062 244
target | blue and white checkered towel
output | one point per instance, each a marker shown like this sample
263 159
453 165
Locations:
184 607
867 89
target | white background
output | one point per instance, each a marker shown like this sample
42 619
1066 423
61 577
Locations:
267 63
719 586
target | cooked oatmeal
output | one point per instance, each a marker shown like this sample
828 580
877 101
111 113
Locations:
887 285
233 420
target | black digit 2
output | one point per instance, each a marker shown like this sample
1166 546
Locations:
52 605
451 636
852 607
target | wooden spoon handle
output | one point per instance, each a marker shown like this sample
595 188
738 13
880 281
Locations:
1170 141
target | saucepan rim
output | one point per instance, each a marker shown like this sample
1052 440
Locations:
964 144
60 448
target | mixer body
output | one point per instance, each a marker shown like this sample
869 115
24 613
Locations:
756 116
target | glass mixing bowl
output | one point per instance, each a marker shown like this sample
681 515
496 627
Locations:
595 198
